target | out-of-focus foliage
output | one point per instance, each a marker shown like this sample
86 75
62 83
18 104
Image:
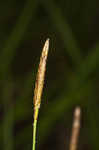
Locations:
72 75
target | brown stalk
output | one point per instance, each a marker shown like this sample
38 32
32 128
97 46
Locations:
75 129
40 79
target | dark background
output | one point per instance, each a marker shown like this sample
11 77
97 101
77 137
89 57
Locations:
72 75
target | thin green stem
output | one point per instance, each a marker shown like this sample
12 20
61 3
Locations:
34 134
34 127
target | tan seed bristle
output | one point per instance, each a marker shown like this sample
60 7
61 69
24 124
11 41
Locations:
45 48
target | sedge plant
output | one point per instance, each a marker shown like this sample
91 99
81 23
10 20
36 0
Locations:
39 88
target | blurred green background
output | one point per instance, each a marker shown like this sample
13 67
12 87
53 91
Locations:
72 75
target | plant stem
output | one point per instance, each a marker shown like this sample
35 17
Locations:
34 128
75 129
34 134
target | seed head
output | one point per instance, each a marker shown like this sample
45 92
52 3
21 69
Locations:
40 76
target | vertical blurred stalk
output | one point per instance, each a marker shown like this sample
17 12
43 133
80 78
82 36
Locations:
8 120
6 57
93 118
75 129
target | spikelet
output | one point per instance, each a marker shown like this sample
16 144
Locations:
75 129
40 78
